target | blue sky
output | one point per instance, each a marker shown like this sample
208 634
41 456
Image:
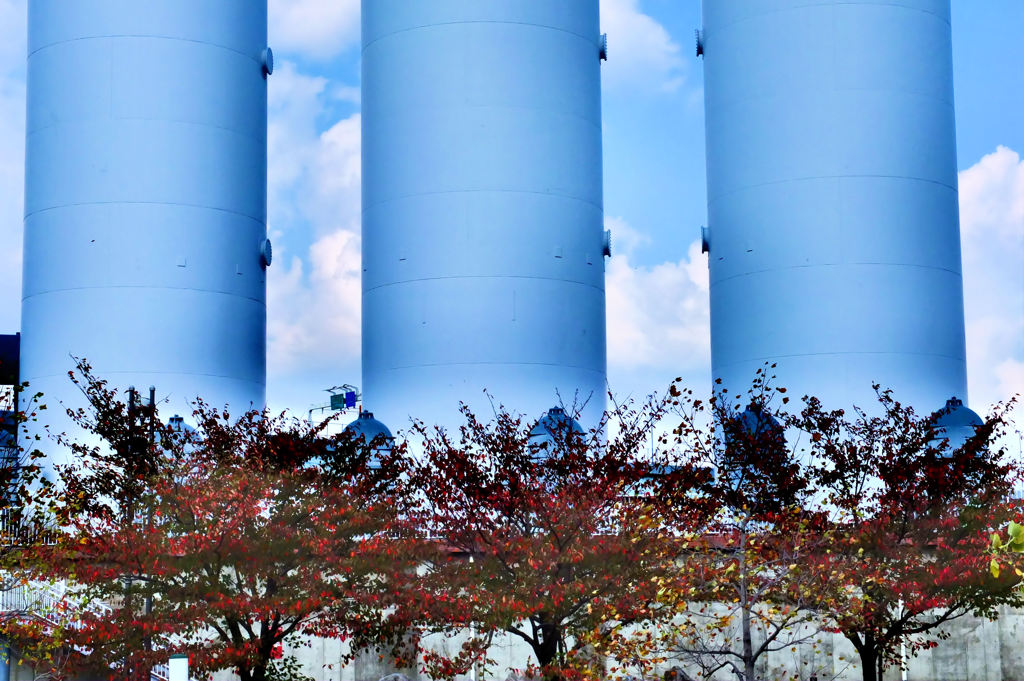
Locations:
654 193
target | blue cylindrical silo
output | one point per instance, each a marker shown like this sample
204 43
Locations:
482 207
833 237
145 205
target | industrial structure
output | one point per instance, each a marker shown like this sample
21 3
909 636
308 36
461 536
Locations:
9 401
833 231
483 238
833 236
145 199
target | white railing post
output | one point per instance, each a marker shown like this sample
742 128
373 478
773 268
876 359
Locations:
177 668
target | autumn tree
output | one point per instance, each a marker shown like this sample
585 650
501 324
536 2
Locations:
538 531
223 541
743 589
20 475
912 508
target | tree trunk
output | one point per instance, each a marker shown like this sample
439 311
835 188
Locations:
748 642
546 648
870 656
871 663
748 645
258 672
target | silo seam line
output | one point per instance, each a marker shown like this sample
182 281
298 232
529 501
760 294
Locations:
836 264
899 5
732 102
483 276
812 178
563 114
747 18
539 364
85 121
895 353
160 373
196 206
260 301
146 37
484 191
590 41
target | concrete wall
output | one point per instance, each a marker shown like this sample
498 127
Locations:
974 650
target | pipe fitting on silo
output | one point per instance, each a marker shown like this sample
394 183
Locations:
705 240
266 253
604 47
606 247
267 60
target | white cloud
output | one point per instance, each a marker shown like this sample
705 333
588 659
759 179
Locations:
346 93
315 318
658 317
294 104
316 29
314 183
641 52
992 197
334 198
1010 377
13 21
625 239
313 177
992 233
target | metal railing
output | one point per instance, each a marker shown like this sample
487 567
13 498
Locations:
20 532
53 606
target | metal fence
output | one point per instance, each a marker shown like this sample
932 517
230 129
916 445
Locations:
18 531
55 606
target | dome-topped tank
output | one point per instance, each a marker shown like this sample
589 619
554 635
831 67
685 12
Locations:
553 430
180 433
757 422
368 431
956 423
747 433
177 424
